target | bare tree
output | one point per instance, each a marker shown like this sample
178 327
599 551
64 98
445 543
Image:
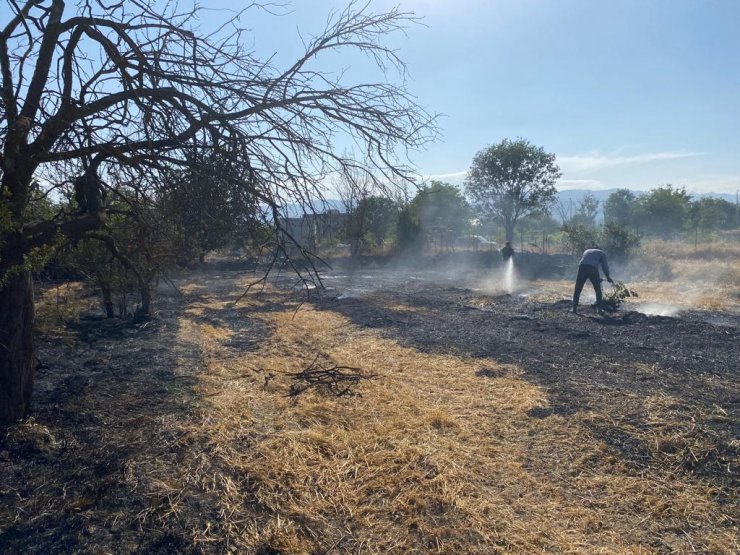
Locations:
564 210
131 88
354 187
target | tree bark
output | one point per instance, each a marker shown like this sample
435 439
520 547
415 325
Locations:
17 353
509 228
105 290
144 310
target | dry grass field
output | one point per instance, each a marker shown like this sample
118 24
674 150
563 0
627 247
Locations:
469 425
428 458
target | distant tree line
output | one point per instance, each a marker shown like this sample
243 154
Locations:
511 187
668 211
663 212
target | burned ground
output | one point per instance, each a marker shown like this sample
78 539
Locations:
489 423
611 364
102 395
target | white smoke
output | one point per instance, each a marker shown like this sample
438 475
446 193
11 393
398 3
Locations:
657 309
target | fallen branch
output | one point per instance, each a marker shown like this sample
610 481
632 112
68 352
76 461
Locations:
338 380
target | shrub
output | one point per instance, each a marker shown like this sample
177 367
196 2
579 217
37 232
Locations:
579 237
614 238
618 241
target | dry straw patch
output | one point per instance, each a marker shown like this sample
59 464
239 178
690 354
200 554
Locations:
717 250
706 276
683 443
681 293
59 304
405 307
440 453
190 288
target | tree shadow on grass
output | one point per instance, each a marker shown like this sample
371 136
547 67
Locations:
109 426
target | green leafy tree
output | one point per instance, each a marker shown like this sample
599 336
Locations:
618 241
708 215
578 237
408 229
620 207
711 214
381 216
663 210
442 212
588 209
354 187
724 214
371 220
510 180
207 206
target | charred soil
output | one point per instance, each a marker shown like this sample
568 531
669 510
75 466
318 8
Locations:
610 364
486 424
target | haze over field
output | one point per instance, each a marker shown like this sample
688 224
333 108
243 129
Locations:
307 278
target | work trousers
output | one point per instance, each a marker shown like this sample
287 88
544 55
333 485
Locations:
591 273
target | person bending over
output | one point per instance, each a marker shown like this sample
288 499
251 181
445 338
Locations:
588 269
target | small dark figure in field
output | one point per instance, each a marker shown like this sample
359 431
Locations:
507 252
588 269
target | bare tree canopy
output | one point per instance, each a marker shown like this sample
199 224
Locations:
109 93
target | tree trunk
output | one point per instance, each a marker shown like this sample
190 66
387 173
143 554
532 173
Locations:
146 300
356 247
509 228
17 353
105 289
143 312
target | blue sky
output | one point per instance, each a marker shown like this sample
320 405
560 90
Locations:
626 93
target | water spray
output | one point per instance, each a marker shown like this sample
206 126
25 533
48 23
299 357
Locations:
509 276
